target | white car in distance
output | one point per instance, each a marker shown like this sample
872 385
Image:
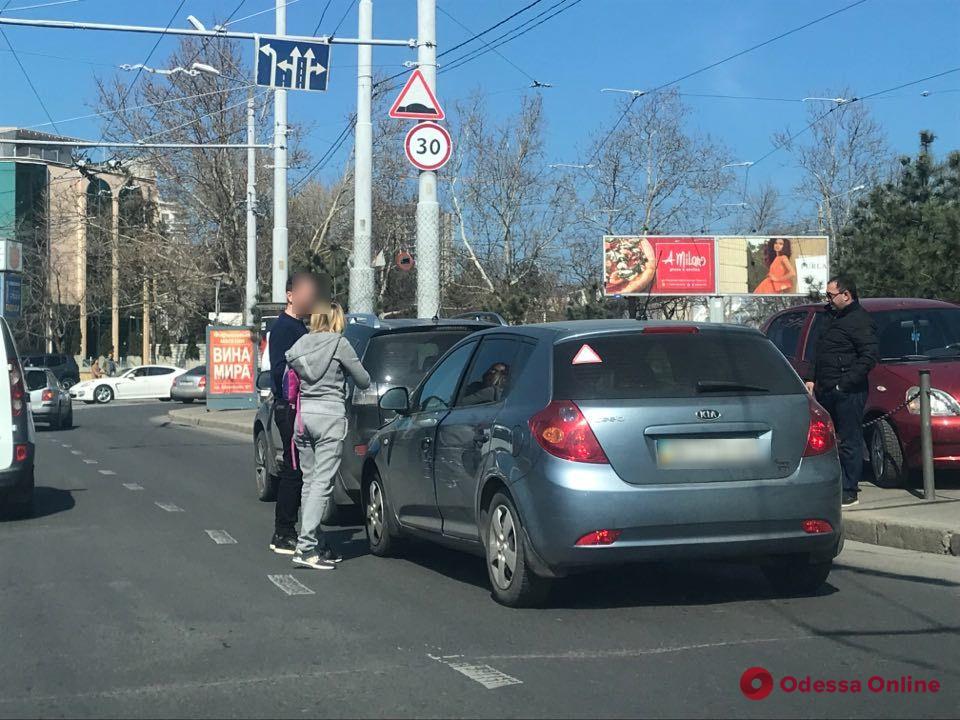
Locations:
139 383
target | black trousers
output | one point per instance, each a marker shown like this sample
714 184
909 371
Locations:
290 481
846 410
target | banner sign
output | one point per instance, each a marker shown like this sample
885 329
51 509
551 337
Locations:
231 368
12 295
714 265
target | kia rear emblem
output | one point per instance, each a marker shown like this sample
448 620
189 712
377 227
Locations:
708 414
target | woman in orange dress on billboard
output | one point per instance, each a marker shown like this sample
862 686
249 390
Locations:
781 275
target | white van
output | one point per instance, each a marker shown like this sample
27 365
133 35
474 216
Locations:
17 446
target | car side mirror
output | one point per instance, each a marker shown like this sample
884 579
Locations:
264 381
396 399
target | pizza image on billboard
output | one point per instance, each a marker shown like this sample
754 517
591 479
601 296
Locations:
659 265
773 265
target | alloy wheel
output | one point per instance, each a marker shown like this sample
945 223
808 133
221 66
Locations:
260 460
103 394
375 512
878 454
502 546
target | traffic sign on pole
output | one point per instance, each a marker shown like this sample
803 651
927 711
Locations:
416 101
428 146
291 64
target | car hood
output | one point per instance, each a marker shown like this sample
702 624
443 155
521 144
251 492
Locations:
90 383
944 374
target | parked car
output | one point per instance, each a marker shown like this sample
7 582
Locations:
549 449
191 385
395 353
913 335
49 402
17 444
146 381
64 367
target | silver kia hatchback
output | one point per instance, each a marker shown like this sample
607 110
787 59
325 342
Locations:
549 449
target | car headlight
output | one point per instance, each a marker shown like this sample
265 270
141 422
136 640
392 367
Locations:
942 404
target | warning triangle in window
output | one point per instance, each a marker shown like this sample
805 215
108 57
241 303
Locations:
586 355
416 101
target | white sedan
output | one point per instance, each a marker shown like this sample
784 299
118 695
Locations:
144 382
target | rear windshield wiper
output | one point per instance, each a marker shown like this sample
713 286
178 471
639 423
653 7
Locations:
706 386
905 358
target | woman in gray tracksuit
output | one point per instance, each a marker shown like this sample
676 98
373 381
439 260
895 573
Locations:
322 359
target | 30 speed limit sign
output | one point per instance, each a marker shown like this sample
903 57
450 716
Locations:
428 146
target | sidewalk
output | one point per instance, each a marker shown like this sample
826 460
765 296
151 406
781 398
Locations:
894 518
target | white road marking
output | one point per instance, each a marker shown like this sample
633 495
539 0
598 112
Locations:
76 452
290 585
488 676
221 537
106 472
169 507
133 486
66 445
88 461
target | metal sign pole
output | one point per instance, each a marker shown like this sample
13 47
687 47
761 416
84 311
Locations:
279 282
428 208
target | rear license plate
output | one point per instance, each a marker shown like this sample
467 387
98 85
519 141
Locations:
705 453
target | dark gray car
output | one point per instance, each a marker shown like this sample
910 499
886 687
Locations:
553 448
396 353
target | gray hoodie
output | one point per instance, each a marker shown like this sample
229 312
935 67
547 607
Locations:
320 359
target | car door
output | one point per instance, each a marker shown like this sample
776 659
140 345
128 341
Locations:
160 379
411 487
810 346
785 332
132 384
465 434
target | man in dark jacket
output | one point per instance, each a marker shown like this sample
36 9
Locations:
285 331
846 353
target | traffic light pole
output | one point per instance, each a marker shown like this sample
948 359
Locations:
280 271
251 284
428 208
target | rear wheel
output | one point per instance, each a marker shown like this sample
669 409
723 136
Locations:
380 535
266 483
68 382
67 421
514 582
103 394
797 576
186 401
886 456
19 504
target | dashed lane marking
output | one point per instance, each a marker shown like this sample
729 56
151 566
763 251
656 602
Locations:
221 537
488 676
290 585
76 452
106 472
88 461
169 507
66 445
133 486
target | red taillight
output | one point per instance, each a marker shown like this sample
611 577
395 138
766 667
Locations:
820 437
203 382
21 452
599 537
669 330
816 527
562 430
46 395
16 388
360 450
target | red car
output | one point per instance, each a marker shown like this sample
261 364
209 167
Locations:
913 335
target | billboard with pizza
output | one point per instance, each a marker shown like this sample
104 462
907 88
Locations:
659 265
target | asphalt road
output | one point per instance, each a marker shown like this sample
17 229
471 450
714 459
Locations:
116 601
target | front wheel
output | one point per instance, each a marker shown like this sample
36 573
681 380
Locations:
266 483
68 382
886 457
103 394
377 521
797 577
514 582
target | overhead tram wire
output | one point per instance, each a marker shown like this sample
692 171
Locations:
712 65
500 54
328 154
26 75
344 17
323 14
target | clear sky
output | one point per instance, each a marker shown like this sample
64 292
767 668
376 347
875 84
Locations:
596 43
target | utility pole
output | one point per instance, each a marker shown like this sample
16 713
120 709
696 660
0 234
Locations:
280 270
251 286
361 273
428 208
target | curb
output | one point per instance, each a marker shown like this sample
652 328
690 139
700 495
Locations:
210 422
938 540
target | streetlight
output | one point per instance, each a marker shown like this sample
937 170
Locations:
634 93
576 166
745 163
197 25
826 200
837 100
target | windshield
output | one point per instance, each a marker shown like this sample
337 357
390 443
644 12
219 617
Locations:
930 332
667 365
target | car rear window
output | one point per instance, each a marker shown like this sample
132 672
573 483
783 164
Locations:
403 358
198 370
667 365
36 379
